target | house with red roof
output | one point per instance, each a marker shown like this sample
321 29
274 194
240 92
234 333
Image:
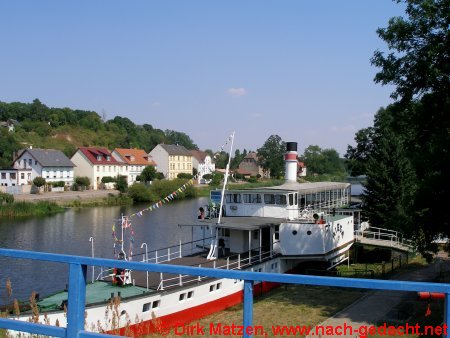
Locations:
134 161
96 163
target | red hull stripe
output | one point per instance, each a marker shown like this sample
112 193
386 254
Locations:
164 324
290 156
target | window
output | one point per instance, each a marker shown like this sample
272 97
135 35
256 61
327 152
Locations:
108 158
291 199
3 176
269 198
181 297
218 286
99 158
155 304
280 199
212 287
22 176
12 176
233 198
30 162
251 198
146 307
190 294
277 232
255 234
35 162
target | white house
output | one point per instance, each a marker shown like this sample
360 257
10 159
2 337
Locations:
203 163
96 163
50 164
134 161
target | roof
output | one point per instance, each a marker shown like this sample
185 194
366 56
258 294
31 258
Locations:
252 155
91 154
244 223
174 149
199 155
302 187
49 157
135 156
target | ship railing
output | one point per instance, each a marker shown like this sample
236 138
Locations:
233 262
390 237
182 249
78 277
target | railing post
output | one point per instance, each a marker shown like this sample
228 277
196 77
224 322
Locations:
76 299
168 254
248 307
239 261
199 277
161 280
228 263
180 248
447 315
156 257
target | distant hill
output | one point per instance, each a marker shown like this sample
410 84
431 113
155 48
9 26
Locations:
66 129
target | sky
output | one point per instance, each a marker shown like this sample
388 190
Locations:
294 68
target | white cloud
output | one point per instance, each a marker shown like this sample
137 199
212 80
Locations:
236 92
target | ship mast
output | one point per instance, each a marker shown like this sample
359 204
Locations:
225 180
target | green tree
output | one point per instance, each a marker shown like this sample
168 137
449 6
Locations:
39 181
358 156
121 183
148 174
415 128
271 155
8 146
176 137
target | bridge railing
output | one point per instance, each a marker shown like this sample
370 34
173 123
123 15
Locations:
386 235
77 288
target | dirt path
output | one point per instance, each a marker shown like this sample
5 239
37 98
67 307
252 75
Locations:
66 195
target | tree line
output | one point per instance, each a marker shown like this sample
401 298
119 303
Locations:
66 129
405 153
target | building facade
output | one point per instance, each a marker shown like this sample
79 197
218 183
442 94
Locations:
172 160
50 164
96 163
134 161
249 167
204 165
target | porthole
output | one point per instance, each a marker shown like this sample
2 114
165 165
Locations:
294 232
309 232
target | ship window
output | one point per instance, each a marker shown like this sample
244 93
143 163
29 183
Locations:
294 232
190 294
219 285
233 198
277 232
212 287
296 199
269 198
280 199
181 298
155 304
252 198
146 307
291 199
309 232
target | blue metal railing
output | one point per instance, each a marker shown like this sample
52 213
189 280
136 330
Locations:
77 288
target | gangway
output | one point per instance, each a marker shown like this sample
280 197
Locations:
383 238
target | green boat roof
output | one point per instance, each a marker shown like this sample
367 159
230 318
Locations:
97 292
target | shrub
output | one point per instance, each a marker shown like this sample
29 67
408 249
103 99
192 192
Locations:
6 198
140 193
82 181
108 179
58 184
184 176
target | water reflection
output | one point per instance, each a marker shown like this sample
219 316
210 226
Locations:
69 233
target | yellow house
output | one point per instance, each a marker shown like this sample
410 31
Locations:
172 160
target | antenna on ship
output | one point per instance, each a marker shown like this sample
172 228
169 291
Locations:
213 249
225 180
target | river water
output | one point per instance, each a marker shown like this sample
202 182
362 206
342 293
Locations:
69 233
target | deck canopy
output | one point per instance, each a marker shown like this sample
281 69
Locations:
306 188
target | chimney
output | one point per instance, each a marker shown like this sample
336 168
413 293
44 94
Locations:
290 159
